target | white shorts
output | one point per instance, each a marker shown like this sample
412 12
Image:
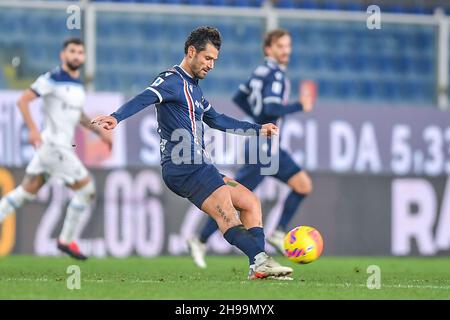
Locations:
58 162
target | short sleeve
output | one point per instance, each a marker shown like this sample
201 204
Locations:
43 85
166 86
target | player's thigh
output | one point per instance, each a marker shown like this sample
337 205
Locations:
242 198
35 173
301 182
67 166
220 207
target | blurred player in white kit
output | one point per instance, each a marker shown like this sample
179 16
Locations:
63 98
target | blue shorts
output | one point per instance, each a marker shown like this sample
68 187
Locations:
196 182
250 174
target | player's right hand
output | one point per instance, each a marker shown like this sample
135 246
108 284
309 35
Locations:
308 95
269 129
34 137
106 122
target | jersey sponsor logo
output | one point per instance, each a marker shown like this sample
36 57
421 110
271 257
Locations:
278 75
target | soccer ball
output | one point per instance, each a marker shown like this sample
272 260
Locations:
303 244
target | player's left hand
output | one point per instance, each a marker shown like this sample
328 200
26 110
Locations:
307 102
269 129
308 95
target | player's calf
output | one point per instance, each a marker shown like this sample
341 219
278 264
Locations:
78 205
13 201
301 183
220 207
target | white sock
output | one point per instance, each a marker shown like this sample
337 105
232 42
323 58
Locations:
13 201
77 206
73 216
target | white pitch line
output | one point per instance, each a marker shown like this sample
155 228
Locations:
342 285
83 280
391 286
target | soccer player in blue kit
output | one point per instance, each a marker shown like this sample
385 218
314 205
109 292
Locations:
264 97
186 169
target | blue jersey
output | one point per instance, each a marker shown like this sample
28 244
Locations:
265 95
180 104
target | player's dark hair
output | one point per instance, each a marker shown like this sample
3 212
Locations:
272 36
76 41
201 36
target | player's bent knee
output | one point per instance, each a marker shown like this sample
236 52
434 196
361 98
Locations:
303 189
303 186
85 194
252 202
307 187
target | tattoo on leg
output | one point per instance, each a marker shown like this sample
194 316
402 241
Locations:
232 183
223 215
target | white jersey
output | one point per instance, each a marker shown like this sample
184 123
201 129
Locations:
63 100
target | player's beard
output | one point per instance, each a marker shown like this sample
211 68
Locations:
73 67
196 68
284 60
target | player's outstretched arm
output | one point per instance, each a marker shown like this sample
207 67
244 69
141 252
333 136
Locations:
273 107
132 106
23 103
86 122
223 122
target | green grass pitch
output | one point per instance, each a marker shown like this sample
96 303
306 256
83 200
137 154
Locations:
27 277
